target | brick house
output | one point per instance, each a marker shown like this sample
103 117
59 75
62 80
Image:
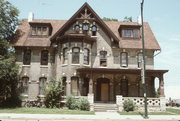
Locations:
97 59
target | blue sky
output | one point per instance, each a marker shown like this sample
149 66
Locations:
162 15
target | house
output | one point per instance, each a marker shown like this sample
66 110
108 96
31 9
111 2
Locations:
97 59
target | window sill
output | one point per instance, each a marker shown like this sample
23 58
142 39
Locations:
41 96
43 66
94 36
64 65
24 95
86 65
103 67
75 64
26 65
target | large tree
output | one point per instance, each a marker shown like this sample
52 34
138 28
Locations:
8 68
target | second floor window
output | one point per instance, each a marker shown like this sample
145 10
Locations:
94 30
39 31
25 85
86 56
124 59
139 59
65 55
75 55
130 33
42 84
103 58
44 57
27 57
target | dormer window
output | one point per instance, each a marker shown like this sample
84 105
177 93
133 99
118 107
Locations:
130 33
94 30
39 31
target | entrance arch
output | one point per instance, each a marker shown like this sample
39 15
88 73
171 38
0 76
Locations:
103 90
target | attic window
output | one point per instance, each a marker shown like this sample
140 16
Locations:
85 27
130 33
40 31
94 29
77 28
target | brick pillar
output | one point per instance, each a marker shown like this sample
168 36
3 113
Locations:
161 86
68 86
90 86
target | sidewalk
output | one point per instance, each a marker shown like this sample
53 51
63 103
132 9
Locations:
98 116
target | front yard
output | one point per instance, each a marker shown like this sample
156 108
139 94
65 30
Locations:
44 111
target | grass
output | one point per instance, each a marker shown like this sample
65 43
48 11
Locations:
169 111
44 111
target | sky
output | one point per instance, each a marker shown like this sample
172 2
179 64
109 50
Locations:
162 15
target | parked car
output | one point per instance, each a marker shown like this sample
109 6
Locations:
170 103
177 103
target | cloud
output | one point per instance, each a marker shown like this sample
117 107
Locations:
175 38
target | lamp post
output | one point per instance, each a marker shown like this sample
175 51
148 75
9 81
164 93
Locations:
144 65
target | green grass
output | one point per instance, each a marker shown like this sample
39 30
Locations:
44 111
169 111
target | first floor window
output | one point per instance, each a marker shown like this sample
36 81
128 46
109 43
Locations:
44 57
27 57
124 62
86 56
64 85
75 55
42 84
65 55
74 86
25 85
103 58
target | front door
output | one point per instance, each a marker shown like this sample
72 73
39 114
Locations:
104 92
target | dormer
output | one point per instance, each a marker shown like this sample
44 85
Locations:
40 29
129 31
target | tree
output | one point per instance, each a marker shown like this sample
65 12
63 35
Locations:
127 19
109 19
8 68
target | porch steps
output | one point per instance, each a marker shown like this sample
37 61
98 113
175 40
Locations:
105 107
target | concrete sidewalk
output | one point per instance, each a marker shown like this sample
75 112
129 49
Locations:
98 116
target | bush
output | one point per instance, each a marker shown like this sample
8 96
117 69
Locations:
84 104
54 94
128 105
80 104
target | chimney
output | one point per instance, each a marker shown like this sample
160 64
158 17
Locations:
139 20
30 16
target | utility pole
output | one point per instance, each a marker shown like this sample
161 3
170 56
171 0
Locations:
144 65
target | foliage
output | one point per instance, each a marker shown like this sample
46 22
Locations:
80 104
128 105
54 93
8 69
109 19
127 19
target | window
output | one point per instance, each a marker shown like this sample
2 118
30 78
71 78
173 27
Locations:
94 30
74 86
42 84
103 58
65 55
130 33
86 56
27 57
77 28
139 59
75 55
85 27
39 31
124 62
25 85
64 85
44 57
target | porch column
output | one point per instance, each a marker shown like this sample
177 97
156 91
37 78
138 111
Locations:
161 86
68 86
90 86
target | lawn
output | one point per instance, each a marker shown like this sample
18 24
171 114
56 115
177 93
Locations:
169 111
44 111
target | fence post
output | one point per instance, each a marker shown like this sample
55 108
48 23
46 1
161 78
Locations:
119 102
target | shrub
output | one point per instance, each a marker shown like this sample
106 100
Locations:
84 104
71 102
53 95
128 105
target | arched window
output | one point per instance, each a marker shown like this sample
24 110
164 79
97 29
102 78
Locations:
94 30
25 85
85 27
103 58
139 59
65 55
74 86
75 55
124 59
27 57
86 56
44 57
42 84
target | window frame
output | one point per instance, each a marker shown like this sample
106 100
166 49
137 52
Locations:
74 54
39 33
103 58
25 85
126 59
138 59
94 32
44 60
65 55
27 57
134 33
86 58
42 87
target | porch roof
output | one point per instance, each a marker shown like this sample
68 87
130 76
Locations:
121 71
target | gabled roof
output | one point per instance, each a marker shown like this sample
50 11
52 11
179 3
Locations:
73 19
